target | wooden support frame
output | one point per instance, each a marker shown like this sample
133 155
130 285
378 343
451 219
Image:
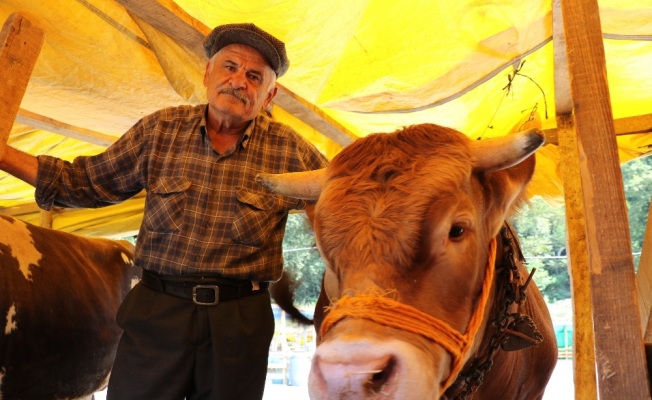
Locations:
61 128
578 258
578 265
21 44
620 356
623 126
644 281
600 255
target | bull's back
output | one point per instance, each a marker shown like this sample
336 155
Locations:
59 294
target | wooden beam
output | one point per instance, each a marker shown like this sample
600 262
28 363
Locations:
45 219
644 281
622 126
578 264
563 98
620 355
21 44
32 208
170 19
633 125
578 258
313 116
16 211
40 122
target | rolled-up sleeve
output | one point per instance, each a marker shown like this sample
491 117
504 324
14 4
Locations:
49 169
92 181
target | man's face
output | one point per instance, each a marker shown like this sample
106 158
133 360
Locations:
239 83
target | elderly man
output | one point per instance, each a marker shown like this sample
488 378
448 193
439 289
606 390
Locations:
199 324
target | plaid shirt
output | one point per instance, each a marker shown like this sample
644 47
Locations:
204 213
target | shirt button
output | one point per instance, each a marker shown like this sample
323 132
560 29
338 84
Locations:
197 258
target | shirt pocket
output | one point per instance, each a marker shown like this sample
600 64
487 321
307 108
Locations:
256 216
165 204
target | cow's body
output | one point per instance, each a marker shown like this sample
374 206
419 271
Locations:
59 294
405 223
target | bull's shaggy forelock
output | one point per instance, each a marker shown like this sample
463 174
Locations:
388 181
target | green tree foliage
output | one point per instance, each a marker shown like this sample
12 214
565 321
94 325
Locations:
637 180
542 232
302 259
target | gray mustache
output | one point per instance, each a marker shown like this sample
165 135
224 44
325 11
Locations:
238 93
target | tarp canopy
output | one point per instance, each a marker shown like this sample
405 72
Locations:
356 68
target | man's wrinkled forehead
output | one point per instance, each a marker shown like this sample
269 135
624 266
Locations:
238 55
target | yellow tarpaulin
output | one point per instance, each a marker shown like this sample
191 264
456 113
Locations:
372 66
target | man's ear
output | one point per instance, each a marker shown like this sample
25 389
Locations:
206 73
270 96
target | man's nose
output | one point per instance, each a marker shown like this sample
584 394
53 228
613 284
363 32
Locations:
239 79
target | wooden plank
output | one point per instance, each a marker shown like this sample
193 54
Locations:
21 43
622 126
61 128
32 208
17 211
578 258
644 281
305 111
620 355
578 264
45 219
563 99
633 125
170 19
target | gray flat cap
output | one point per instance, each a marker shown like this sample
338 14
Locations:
250 35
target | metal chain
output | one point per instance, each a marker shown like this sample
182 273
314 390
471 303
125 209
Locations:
470 380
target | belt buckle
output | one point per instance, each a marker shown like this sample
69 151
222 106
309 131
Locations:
215 288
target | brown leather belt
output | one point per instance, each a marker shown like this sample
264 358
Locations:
203 291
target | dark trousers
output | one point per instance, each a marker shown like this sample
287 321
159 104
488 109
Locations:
173 349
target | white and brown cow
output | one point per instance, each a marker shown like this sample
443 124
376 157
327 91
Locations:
426 282
59 294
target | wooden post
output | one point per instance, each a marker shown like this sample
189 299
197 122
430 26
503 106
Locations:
620 355
578 258
46 219
578 264
644 281
21 43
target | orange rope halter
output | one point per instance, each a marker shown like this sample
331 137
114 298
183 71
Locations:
385 311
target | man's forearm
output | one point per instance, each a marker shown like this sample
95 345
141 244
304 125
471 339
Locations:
19 164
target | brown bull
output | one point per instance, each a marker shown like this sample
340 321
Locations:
409 226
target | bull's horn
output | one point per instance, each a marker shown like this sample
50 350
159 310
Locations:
503 152
300 185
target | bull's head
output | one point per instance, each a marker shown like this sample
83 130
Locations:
405 224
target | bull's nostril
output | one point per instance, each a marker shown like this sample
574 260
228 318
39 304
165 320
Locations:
380 377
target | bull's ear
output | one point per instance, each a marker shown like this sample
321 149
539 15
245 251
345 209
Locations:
505 166
506 151
310 212
505 191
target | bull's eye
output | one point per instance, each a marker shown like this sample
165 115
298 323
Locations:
455 232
